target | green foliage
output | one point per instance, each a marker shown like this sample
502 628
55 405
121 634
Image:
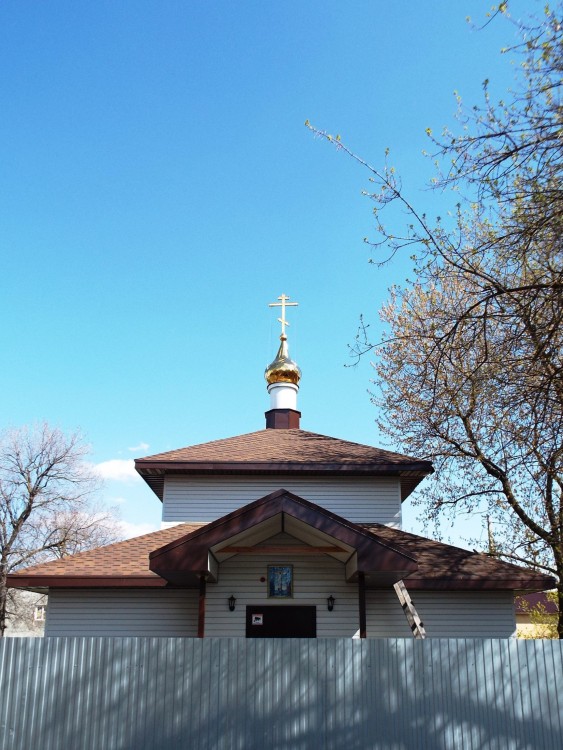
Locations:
544 623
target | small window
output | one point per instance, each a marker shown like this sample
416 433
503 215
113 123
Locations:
39 613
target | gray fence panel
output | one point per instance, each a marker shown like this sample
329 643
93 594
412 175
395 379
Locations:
238 694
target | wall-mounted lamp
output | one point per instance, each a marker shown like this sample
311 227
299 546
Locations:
232 602
330 603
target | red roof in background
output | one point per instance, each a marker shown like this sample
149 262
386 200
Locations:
525 602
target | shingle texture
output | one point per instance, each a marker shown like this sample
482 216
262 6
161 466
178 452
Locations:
275 446
437 562
128 558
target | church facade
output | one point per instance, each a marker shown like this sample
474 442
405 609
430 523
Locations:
281 533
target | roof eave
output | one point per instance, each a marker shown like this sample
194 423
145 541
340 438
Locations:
154 472
229 467
30 581
453 583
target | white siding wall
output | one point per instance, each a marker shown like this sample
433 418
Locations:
124 612
314 577
445 614
359 499
130 612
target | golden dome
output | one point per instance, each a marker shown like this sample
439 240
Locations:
283 369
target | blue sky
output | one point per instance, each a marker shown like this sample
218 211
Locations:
158 189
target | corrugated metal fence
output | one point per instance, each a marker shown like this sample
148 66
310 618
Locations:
325 694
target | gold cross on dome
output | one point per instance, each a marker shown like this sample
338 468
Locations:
283 303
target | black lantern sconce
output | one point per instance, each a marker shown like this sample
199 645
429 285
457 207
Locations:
330 603
232 602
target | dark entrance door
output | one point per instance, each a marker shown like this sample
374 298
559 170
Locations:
281 622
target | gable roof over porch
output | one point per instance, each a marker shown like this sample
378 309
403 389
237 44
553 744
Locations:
184 560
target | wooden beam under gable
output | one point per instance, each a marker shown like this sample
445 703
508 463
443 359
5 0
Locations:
282 549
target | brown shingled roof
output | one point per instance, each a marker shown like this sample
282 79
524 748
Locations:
288 451
126 564
120 564
443 566
295 446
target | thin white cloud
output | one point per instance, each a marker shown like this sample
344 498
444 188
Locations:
130 530
141 448
118 470
117 500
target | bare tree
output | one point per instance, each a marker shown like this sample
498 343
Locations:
47 504
471 366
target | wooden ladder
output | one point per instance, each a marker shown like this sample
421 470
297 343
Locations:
409 609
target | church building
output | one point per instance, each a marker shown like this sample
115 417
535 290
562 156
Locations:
281 532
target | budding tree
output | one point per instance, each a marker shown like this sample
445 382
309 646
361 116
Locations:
470 370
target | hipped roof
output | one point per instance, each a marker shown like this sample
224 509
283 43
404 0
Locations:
126 564
290 451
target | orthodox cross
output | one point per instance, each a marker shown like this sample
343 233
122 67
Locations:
283 304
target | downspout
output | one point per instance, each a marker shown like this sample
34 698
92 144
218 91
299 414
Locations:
201 607
362 604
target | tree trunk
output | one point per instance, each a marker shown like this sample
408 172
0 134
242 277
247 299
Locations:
3 597
560 606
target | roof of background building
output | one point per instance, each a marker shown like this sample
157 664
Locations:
525 602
